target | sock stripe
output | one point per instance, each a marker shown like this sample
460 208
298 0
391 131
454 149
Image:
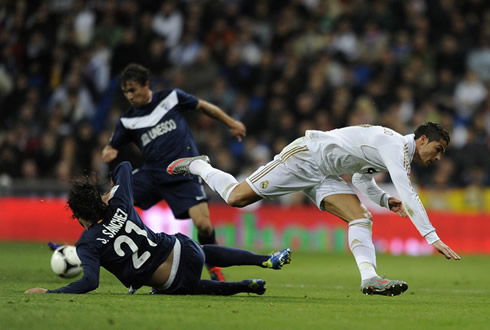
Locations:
363 225
227 191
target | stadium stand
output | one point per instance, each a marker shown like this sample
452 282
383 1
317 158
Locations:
279 66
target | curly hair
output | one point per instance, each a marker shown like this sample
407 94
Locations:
433 131
85 201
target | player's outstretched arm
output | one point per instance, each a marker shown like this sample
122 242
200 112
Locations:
36 290
445 250
236 127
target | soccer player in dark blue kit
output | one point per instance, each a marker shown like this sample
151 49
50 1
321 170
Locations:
116 238
155 123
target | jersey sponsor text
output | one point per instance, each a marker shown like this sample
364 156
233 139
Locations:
158 130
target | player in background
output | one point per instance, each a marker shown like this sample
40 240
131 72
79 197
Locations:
155 123
313 164
116 238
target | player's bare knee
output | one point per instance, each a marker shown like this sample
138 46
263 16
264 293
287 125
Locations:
236 200
367 214
242 195
204 227
326 205
203 224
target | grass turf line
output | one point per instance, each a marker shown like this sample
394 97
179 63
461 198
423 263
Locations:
316 290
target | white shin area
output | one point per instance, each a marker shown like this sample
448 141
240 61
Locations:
362 247
219 181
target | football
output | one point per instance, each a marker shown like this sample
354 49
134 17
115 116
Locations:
65 262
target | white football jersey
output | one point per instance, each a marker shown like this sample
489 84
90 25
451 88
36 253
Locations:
365 151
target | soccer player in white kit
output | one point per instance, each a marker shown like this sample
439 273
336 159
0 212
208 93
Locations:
313 164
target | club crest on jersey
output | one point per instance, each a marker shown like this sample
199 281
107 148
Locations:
264 184
388 131
165 106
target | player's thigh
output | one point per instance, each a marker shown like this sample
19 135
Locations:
199 214
191 262
290 171
242 195
347 207
145 192
334 195
183 194
275 179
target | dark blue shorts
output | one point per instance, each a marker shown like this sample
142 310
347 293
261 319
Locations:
152 185
190 268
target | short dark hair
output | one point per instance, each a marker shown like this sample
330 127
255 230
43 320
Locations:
85 201
433 131
135 72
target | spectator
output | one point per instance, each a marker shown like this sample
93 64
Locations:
83 23
186 51
14 100
109 30
74 99
345 43
49 154
128 51
478 60
468 95
201 73
85 143
168 23
282 66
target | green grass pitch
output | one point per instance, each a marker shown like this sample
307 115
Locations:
317 291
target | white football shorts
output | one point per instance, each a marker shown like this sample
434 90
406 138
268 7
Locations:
295 170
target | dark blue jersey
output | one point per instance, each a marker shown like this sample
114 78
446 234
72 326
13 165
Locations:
120 242
159 128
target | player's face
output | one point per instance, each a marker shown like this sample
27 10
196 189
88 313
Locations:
430 152
137 94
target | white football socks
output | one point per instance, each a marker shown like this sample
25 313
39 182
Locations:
219 181
362 247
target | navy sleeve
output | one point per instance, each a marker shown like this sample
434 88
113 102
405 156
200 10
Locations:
120 136
122 192
187 101
91 271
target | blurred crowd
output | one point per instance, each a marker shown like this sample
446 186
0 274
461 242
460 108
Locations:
280 66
